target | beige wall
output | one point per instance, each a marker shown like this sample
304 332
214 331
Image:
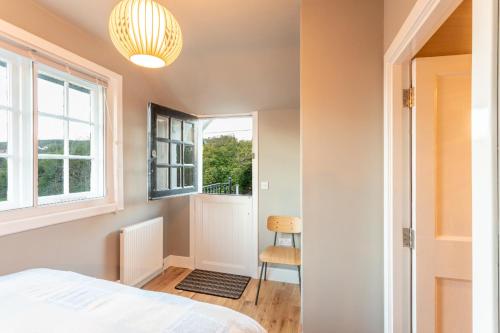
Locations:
91 246
279 164
342 151
178 227
395 13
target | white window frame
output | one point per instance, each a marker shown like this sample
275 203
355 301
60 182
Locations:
19 176
96 149
18 220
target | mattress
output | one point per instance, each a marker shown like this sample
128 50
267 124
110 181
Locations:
44 300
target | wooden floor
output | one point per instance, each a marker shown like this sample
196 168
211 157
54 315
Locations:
279 303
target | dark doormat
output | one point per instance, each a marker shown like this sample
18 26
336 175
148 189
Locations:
214 283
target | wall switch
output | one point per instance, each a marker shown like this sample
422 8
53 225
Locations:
285 241
264 185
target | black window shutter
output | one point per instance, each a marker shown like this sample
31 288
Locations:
172 152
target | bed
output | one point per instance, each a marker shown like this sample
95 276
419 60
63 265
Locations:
45 300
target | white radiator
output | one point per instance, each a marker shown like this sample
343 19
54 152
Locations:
141 252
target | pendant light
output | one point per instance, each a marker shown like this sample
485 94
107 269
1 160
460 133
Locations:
145 32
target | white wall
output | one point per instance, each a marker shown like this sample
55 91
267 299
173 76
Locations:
342 150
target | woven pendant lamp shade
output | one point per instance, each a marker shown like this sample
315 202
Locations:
145 32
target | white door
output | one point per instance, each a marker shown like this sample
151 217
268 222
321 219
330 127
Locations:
442 198
225 234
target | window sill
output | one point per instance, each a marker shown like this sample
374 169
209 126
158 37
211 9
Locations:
67 199
34 218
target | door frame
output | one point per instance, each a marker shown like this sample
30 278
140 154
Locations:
423 20
255 188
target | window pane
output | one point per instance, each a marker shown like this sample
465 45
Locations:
4 84
79 103
65 127
16 131
188 154
188 177
176 177
188 132
162 152
79 176
161 179
50 95
50 177
4 131
79 139
175 153
3 179
162 127
176 129
50 135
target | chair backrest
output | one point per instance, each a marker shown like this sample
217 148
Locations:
285 224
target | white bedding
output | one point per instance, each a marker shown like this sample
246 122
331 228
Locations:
50 301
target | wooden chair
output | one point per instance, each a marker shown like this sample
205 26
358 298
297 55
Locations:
283 255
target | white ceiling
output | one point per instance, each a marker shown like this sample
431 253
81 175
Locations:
238 55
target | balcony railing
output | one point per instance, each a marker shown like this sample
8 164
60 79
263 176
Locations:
222 188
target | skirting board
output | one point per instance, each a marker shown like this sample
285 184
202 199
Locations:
282 275
146 280
273 273
150 277
178 261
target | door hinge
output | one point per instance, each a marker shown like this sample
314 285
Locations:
409 238
408 98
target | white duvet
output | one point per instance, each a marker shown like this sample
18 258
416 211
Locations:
50 301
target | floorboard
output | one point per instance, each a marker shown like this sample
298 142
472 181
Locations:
279 303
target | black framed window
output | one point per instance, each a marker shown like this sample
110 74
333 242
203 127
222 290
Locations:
172 152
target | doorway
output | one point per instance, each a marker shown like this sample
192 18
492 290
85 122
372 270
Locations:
441 182
224 225
441 195
227 156
447 281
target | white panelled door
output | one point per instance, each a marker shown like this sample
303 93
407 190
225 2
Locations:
442 197
225 234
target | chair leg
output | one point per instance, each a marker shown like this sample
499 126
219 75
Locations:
265 272
260 280
300 280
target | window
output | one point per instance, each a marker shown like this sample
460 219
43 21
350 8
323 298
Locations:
60 135
69 153
16 120
172 152
70 138
4 130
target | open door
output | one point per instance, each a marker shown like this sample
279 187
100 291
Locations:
224 213
442 197
223 222
172 152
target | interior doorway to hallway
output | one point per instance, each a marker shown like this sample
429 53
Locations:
441 170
